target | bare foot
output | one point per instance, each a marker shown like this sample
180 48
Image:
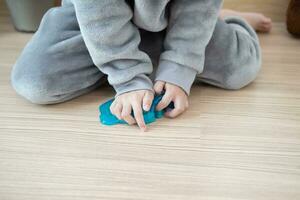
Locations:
258 21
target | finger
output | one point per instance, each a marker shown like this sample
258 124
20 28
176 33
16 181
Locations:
180 107
159 87
116 110
126 114
147 100
165 101
139 118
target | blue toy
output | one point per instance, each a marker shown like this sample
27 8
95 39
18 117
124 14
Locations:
107 118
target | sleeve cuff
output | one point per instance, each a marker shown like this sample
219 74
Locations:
140 82
176 74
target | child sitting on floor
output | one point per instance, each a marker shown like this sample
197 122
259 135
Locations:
80 42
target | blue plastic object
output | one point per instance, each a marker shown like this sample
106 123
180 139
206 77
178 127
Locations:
107 118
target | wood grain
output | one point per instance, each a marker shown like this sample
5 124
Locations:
276 9
229 145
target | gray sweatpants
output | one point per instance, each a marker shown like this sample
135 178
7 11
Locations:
55 66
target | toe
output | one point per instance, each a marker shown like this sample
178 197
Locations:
265 28
266 20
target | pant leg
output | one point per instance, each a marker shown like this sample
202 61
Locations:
55 65
233 55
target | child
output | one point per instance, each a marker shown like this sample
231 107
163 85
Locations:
84 40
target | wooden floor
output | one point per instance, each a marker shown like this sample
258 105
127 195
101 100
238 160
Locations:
229 145
276 9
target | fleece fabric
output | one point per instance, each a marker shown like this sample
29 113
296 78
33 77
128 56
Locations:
83 41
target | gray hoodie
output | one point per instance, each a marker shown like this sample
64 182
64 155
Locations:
110 31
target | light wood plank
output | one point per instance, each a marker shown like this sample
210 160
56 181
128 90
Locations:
276 9
229 145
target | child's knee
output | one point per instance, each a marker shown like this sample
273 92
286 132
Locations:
244 65
37 88
32 89
240 75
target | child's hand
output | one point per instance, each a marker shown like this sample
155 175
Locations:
125 103
173 94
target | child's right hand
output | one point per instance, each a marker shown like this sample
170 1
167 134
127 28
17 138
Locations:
137 101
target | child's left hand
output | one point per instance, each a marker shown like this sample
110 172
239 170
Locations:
173 94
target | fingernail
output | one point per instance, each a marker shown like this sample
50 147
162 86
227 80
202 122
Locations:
146 107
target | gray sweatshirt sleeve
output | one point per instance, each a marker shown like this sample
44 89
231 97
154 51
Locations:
190 28
112 41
